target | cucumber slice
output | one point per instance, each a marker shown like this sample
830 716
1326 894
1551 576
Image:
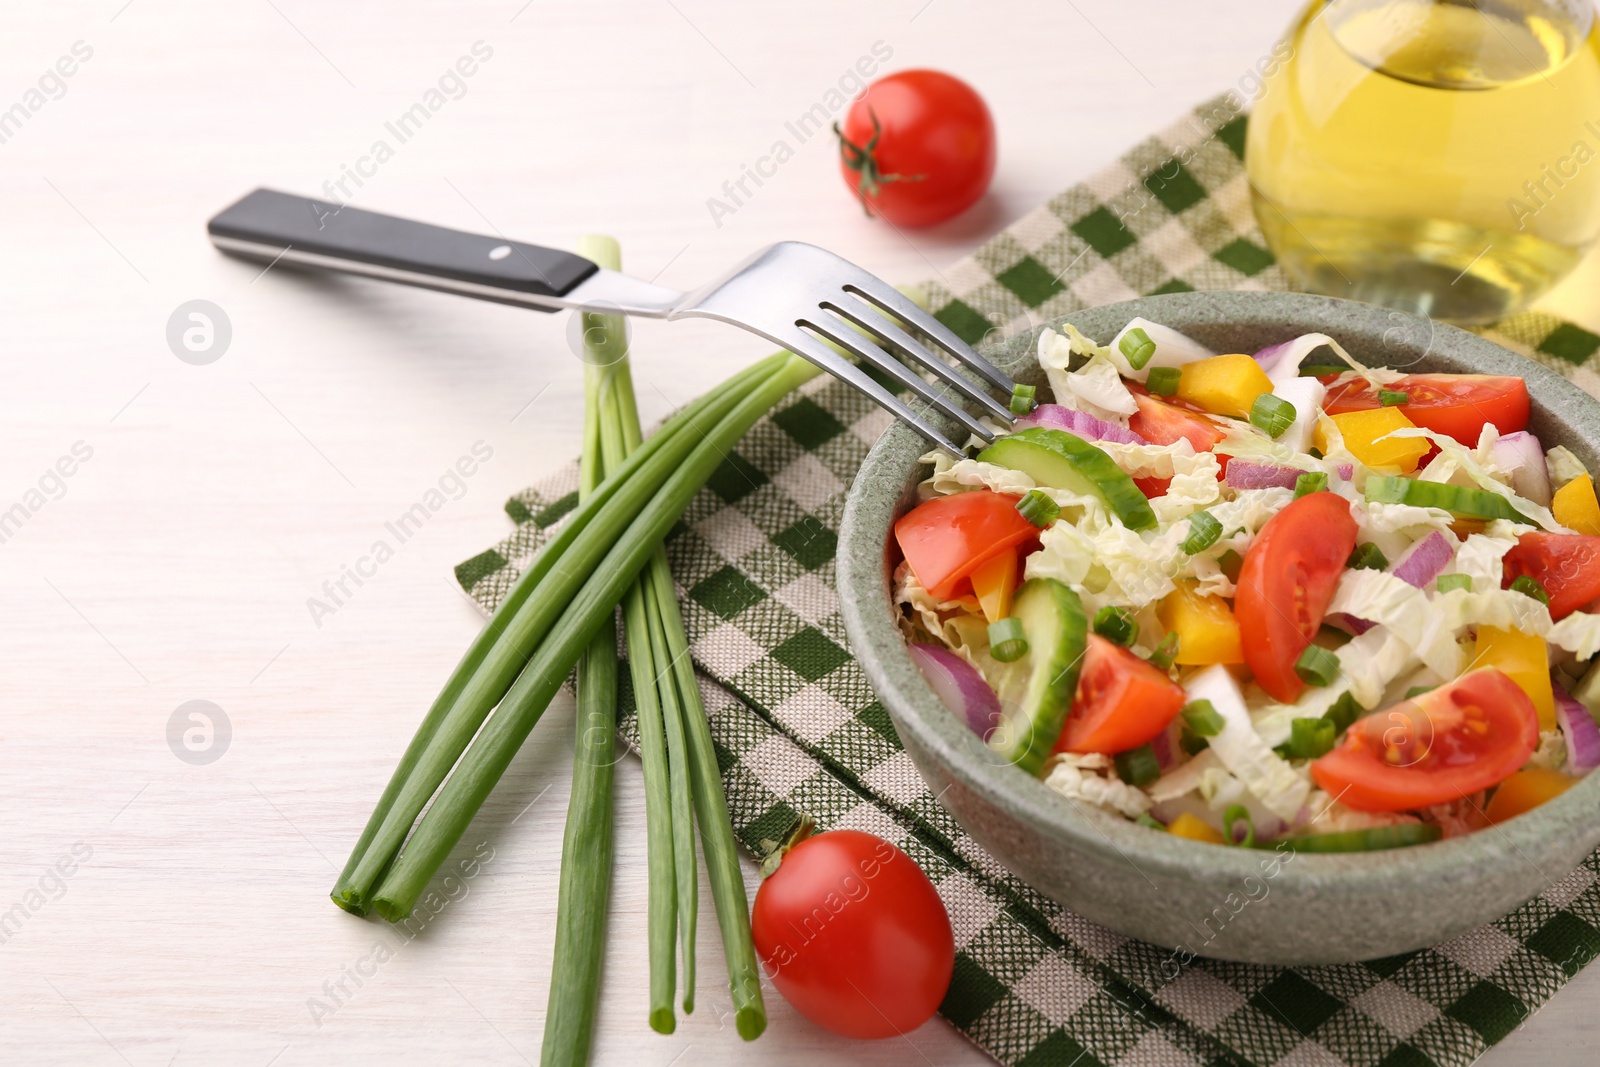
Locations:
1058 634
1065 461
1372 839
1466 501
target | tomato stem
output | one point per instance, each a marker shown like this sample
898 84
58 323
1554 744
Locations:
774 851
860 158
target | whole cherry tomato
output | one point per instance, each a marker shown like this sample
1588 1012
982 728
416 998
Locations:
917 147
854 935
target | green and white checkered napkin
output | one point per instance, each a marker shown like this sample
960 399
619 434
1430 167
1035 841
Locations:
798 728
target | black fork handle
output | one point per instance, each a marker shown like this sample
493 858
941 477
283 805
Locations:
272 227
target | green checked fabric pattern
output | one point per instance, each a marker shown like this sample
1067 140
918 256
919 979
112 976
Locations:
798 729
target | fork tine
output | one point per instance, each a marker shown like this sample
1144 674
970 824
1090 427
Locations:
839 332
808 347
868 317
889 299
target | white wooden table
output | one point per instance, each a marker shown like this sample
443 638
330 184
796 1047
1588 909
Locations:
175 563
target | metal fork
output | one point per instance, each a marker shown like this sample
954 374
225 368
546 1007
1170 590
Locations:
796 295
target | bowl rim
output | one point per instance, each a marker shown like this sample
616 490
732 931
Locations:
1547 832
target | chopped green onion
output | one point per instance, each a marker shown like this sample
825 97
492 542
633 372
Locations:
1007 642
1271 415
1150 821
1310 482
1417 690
1321 370
1191 742
1202 717
1231 563
1137 766
1037 507
1344 712
1204 529
1116 625
1372 839
1317 666
1022 399
1529 586
1163 381
1390 397
1314 453
1310 738
1166 652
1447 582
1367 557
1236 813
1137 348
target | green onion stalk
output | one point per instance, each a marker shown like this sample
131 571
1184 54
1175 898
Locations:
482 764
625 509
547 622
666 690
654 643
586 851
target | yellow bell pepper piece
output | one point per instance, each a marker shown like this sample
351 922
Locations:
1207 631
993 582
1363 433
1525 658
1227 385
1576 508
1524 791
1195 829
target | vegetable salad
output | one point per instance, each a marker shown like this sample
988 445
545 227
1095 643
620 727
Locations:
1241 598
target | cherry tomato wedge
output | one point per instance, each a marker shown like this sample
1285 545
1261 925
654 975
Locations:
1121 703
1567 565
917 147
854 935
1285 583
1457 405
1448 743
1165 424
947 537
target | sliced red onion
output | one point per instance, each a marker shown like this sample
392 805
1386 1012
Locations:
1579 729
1161 746
1247 474
960 686
1521 454
1351 625
1079 423
1346 471
1422 562
1268 357
1282 361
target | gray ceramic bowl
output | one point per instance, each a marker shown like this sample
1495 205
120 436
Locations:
1207 899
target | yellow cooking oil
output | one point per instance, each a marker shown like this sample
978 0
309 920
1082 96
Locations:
1438 157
